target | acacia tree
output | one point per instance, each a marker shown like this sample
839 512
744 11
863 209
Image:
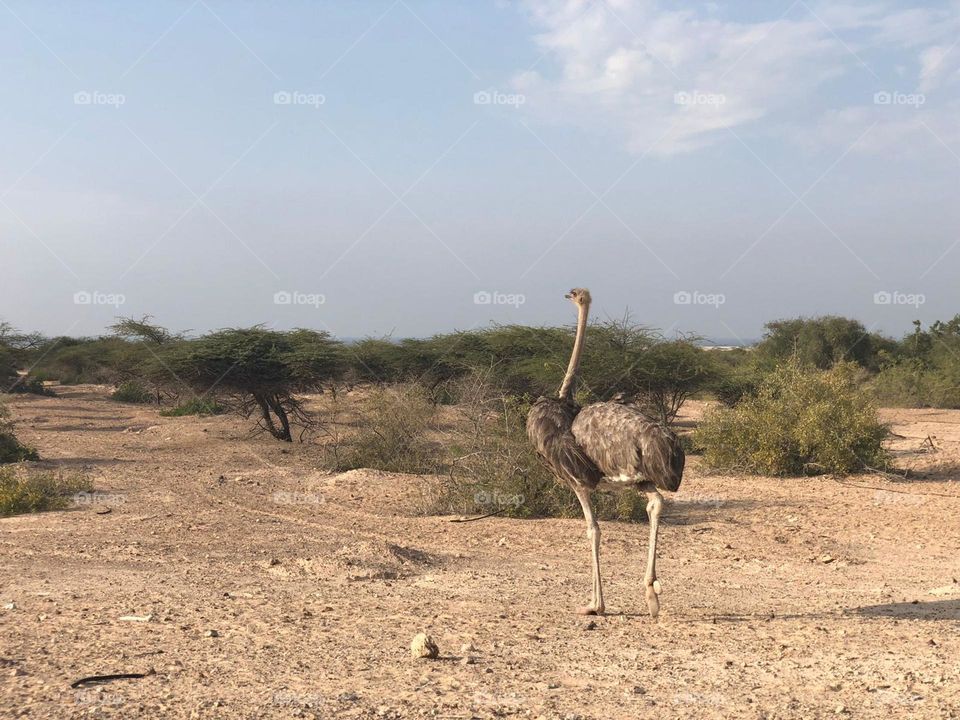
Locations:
261 371
129 363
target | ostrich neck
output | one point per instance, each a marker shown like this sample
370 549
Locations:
566 389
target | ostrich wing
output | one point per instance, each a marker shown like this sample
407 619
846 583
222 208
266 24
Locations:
548 427
622 441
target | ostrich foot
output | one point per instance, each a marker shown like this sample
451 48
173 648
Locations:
653 601
590 610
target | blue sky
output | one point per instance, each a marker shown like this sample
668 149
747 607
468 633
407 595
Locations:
414 167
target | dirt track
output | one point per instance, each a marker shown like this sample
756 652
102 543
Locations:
278 591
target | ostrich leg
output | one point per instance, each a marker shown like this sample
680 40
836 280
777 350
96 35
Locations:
593 535
654 505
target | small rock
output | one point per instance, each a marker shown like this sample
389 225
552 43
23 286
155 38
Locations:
467 647
468 660
18 672
826 559
840 709
639 690
211 633
590 626
423 646
10 606
348 697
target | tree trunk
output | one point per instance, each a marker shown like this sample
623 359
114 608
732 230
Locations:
277 406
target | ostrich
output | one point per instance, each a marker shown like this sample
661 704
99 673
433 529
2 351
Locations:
605 445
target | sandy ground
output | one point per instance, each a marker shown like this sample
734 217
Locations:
277 591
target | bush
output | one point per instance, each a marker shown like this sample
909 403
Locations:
821 342
394 425
800 421
492 466
11 450
196 406
132 392
23 492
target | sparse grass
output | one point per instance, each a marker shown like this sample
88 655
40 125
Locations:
394 425
24 491
196 406
132 392
800 422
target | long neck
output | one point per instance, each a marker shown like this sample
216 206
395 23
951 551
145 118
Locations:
566 389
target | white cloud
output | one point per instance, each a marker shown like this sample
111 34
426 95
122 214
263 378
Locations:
619 66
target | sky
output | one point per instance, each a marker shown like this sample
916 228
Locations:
408 167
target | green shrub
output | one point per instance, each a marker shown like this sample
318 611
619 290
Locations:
820 342
11 450
393 433
22 491
132 392
800 421
196 406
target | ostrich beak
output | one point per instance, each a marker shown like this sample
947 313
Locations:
569 295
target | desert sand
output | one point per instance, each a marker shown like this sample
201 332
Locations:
245 583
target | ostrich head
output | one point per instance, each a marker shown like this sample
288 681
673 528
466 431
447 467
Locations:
579 297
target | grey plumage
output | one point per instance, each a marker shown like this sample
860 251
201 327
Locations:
622 441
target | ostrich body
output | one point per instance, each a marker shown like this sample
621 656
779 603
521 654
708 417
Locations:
605 445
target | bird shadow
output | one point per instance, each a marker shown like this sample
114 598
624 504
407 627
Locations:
916 610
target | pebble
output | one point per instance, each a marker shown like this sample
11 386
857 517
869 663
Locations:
423 646
212 633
